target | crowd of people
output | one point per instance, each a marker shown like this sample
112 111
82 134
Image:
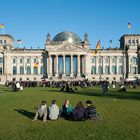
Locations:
79 113
71 86
15 86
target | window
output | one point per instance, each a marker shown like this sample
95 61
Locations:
41 70
133 70
114 60
28 60
100 60
35 60
41 60
129 42
100 70
93 70
0 41
35 70
27 79
20 79
134 60
1 60
120 60
137 41
21 70
120 70
14 61
107 78
133 41
28 70
106 60
0 71
93 60
106 69
21 60
113 69
14 70
4 41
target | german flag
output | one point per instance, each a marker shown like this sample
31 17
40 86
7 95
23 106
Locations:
129 25
98 46
36 64
1 26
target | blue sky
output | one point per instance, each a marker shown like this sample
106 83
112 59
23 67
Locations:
31 20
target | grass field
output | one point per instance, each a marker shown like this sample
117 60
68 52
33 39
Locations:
121 115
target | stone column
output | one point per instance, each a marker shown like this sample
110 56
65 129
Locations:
50 60
110 66
56 66
64 70
18 65
117 64
5 65
78 74
31 66
24 65
48 72
71 66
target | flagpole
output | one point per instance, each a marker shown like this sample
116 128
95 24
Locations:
3 31
130 32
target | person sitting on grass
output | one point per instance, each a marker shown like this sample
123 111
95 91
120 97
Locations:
80 112
53 111
123 88
18 86
66 109
91 110
41 111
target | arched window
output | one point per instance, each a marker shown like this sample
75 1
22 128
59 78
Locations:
14 70
41 70
106 69
21 70
35 70
113 69
120 70
93 70
100 70
28 70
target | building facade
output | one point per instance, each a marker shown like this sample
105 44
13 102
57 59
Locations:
67 57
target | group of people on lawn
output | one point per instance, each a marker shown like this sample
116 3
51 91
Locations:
79 113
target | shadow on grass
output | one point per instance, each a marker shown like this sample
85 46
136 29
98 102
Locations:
113 94
26 113
53 90
7 90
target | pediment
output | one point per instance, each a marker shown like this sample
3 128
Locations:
68 48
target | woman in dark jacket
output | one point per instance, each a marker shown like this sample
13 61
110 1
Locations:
80 112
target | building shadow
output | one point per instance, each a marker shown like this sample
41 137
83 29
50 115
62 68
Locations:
25 113
112 94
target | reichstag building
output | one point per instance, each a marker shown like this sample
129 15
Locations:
67 57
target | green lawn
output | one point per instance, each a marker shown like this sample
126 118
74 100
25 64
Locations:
121 115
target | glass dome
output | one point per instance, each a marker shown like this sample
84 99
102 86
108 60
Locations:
67 36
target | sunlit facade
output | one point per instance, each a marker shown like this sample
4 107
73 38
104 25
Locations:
67 57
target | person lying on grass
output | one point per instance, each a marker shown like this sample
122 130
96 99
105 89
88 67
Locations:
41 111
